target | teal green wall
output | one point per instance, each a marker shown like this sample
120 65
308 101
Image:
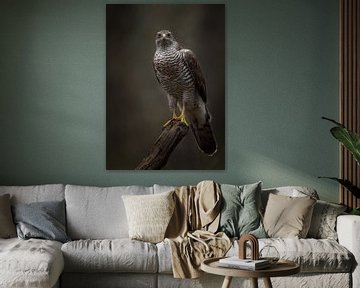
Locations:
282 76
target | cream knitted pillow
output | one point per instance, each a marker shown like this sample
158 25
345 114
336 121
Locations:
149 215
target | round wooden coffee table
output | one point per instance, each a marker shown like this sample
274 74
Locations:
281 268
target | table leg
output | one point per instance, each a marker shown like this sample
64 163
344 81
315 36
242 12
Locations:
267 283
227 282
254 282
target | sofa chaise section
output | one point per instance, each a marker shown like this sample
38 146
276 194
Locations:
34 262
31 263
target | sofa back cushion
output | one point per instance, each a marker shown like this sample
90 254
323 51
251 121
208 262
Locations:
163 188
98 212
36 193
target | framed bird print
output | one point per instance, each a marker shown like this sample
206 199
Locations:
165 86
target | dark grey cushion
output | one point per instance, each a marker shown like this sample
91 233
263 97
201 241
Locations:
44 220
240 213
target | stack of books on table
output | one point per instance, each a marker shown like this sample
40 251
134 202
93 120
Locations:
248 264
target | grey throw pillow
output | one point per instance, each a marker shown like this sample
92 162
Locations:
323 222
44 220
7 227
240 210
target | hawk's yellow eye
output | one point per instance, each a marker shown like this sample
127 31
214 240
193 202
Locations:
158 35
168 34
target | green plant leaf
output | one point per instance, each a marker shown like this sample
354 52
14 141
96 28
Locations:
333 121
347 184
355 211
348 138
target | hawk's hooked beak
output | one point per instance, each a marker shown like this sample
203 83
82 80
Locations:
163 37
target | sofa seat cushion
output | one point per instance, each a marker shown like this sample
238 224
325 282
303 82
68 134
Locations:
164 257
313 255
115 255
30 263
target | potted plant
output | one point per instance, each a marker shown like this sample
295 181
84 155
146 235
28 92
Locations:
351 141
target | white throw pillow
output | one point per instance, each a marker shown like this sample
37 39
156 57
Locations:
149 215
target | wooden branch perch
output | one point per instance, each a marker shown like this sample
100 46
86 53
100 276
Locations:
169 138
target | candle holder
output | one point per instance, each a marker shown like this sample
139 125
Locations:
254 246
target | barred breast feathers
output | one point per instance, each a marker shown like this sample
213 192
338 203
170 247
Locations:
171 69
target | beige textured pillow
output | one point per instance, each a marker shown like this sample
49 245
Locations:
288 217
7 226
149 215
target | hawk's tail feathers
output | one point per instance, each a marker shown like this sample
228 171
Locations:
205 138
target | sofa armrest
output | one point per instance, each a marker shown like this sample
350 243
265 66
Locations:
348 230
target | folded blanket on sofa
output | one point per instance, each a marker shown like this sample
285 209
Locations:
191 231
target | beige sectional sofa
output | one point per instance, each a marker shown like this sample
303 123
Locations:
102 255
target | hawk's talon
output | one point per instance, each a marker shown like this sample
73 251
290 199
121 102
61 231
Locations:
180 118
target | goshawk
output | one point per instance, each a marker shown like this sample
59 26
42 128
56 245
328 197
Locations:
179 74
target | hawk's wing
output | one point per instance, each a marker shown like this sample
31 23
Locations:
192 63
